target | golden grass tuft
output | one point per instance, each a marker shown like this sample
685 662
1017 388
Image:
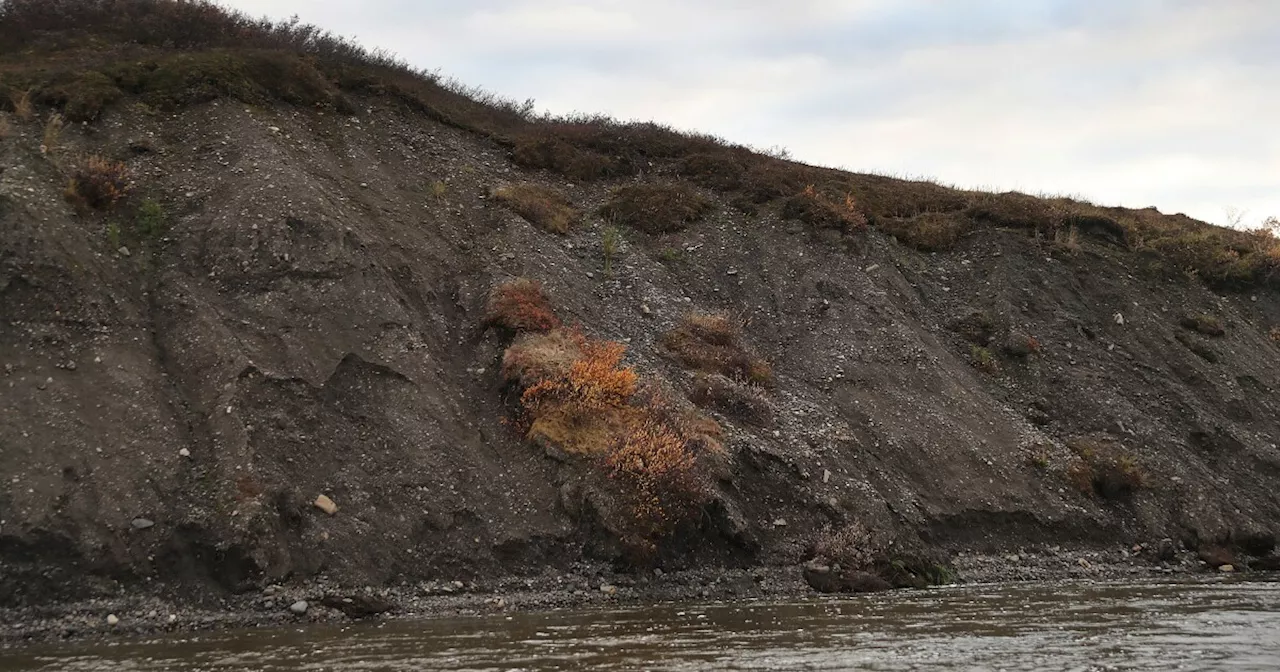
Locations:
52 134
23 107
542 206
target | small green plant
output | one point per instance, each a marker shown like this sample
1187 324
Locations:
52 133
149 221
113 235
438 190
610 241
983 360
1039 460
669 255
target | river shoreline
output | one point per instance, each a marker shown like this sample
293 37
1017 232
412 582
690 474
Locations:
145 613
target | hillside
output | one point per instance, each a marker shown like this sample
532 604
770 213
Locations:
255 264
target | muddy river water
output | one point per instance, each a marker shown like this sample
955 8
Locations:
1224 624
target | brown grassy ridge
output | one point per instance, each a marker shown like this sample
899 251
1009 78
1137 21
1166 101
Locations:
83 56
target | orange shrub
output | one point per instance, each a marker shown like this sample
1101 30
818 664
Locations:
661 478
99 183
580 400
520 305
593 384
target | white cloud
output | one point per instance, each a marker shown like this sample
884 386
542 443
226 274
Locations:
1170 103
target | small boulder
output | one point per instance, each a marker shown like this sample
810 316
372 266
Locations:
300 607
827 579
1217 556
112 620
327 505
357 606
142 523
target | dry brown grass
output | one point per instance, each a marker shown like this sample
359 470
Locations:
816 208
537 356
1068 239
661 207
734 398
540 150
520 305
1275 334
99 183
23 107
5 129
851 546
52 134
1204 324
712 343
1105 469
929 232
542 206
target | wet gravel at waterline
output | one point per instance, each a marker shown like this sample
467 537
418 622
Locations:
1220 624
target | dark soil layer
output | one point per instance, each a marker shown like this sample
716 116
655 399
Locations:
289 302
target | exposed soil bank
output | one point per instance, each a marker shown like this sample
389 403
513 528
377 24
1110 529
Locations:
291 301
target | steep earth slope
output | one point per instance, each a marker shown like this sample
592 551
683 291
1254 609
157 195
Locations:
307 319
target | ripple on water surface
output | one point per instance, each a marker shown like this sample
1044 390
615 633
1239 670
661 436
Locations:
1183 625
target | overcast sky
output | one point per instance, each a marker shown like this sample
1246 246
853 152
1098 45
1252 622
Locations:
1172 103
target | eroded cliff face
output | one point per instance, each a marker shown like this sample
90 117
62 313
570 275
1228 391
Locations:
309 322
